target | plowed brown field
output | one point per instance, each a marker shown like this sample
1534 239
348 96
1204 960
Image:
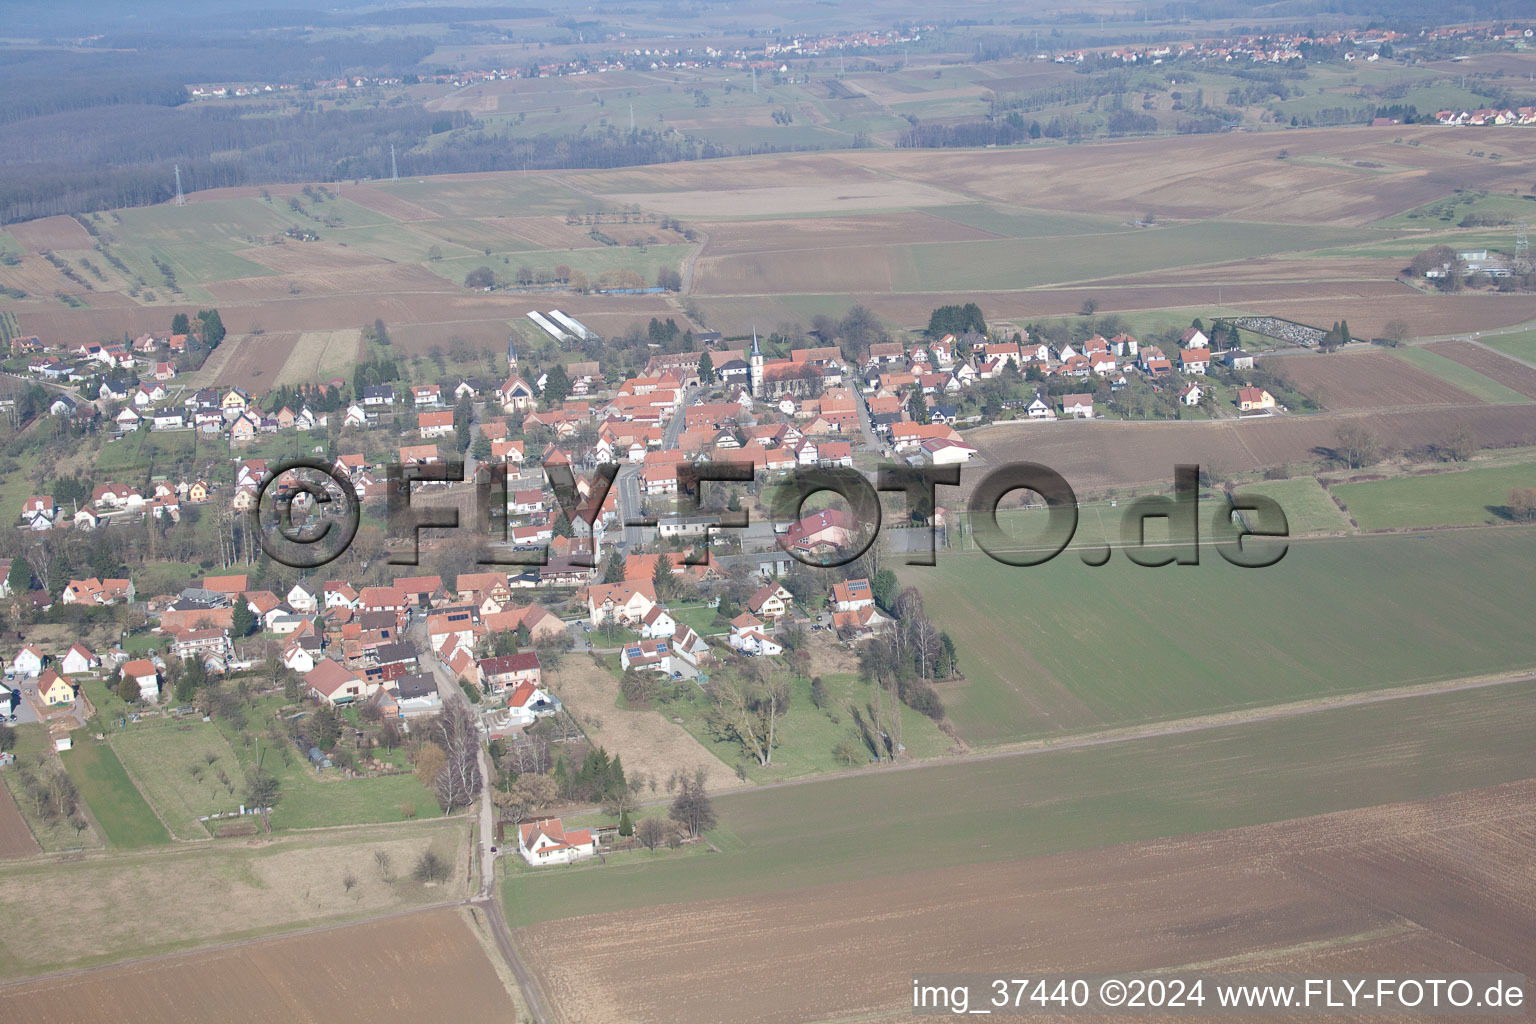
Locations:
1501 368
405 970
1443 883
15 838
1367 380
1099 455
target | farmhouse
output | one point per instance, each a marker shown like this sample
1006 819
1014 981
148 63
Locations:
547 842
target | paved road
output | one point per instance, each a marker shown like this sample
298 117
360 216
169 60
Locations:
485 899
628 482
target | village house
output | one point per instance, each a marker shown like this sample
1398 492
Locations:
1254 399
144 673
852 595
78 660
335 684
547 842
509 671
858 624
771 601
749 637
434 424
626 602
53 689
28 661
1078 407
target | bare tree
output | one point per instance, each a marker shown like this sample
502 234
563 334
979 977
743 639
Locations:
650 833
1356 445
459 780
692 808
748 711
1460 442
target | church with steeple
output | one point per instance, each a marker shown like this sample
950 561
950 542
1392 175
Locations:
755 367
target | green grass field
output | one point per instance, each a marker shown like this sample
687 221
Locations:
163 451
1062 646
1521 345
807 735
315 800
117 806
592 262
54 837
1472 497
882 823
162 758
1025 262
1308 508
1464 377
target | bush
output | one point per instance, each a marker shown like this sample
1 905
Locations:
922 698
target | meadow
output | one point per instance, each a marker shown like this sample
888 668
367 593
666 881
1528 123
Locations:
116 804
1063 647
76 913
311 799
170 764
877 824
807 735
1307 506
1471 497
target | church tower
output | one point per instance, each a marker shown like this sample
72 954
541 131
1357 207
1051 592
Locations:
512 353
755 367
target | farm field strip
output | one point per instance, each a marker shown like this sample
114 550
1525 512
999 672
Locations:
1097 455
1371 380
1468 497
71 913
1045 666
15 837
1484 387
1313 892
1507 372
319 356
880 823
399 971
115 802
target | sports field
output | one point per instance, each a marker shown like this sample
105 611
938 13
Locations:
1062 646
